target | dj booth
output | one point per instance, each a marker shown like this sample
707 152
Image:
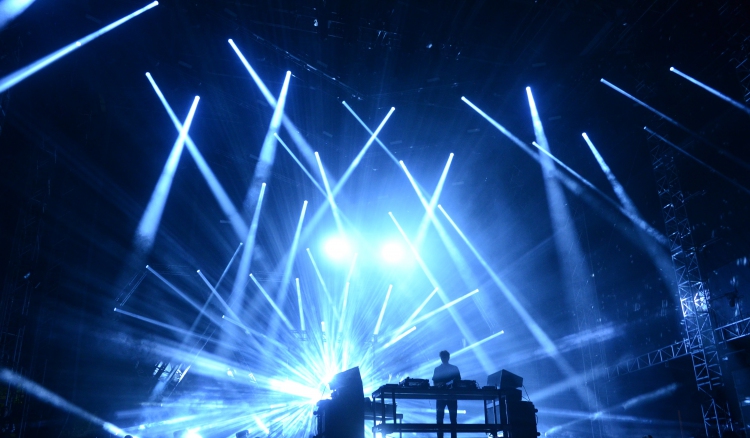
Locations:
505 414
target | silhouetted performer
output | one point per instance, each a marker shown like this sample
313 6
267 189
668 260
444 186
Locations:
446 373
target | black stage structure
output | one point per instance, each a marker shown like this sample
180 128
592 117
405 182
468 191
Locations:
611 272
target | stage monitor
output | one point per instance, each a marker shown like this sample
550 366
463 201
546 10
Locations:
504 379
344 379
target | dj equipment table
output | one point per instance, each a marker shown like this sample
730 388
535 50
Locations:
393 392
492 398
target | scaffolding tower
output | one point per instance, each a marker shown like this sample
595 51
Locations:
699 334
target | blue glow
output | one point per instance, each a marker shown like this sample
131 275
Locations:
337 248
10 9
152 216
716 93
16 77
193 433
393 253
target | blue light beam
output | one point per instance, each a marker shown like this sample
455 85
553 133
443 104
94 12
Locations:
398 338
346 292
243 269
445 307
574 267
572 185
343 307
221 300
268 150
361 153
272 303
699 161
462 327
298 139
329 195
302 166
163 325
239 226
638 101
658 255
149 223
55 400
281 295
616 186
674 122
369 131
19 75
421 306
322 283
716 93
382 310
430 213
299 304
530 323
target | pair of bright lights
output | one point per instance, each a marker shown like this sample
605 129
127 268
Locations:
338 248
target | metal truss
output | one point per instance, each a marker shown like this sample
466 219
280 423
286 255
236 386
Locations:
736 25
729 332
700 339
735 330
650 359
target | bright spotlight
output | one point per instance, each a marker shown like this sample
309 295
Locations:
337 248
393 252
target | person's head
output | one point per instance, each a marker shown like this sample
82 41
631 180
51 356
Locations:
445 356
